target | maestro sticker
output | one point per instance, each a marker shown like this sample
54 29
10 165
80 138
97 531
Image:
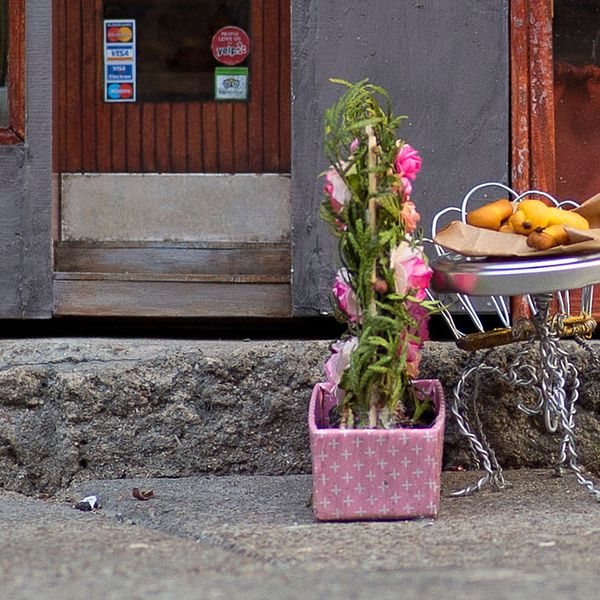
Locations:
230 45
120 91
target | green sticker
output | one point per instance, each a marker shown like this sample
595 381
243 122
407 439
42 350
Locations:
231 83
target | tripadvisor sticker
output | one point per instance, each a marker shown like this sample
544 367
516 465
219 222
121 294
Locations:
231 83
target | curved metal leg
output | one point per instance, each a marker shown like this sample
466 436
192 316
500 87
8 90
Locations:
463 405
553 379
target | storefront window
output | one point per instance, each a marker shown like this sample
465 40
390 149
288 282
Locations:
576 32
3 63
176 51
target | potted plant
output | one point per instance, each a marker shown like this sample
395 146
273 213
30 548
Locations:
376 431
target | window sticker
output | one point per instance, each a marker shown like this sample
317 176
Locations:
230 45
231 83
119 61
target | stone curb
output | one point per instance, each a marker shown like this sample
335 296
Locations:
78 409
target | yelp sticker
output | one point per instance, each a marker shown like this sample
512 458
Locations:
230 45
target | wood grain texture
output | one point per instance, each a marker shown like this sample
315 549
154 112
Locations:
452 82
73 51
225 140
179 140
164 137
520 110
149 164
271 85
15 132
94 136
542 96
194 129
89 95
520 98
26 182
261 260
241 143
285 87
134 139
170 299
255 113
210 152
118 149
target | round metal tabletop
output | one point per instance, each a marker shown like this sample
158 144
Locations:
493 277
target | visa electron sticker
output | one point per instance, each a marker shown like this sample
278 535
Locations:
231 83
230 45
119 61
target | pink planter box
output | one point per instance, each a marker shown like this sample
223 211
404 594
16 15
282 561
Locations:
375 473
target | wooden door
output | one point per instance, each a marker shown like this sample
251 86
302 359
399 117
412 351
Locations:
171 206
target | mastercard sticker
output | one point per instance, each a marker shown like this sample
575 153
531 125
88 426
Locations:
119 34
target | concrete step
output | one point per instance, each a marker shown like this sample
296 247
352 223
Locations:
251 538
76 409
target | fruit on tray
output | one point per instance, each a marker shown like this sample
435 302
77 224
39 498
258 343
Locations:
543 239
532 215
491 215
543 225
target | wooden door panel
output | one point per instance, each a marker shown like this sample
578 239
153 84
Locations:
94 136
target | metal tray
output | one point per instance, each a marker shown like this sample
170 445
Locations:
486 277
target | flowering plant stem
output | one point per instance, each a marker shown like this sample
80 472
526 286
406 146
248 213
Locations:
372 220
380 290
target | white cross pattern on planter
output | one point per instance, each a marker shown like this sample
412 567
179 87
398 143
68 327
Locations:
347 477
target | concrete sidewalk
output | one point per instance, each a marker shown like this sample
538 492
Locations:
253 537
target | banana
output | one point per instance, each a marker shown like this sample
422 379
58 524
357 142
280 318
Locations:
543 225
567 217
543 239
491 215
529 216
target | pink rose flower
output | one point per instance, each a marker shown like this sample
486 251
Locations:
354 144
408 162
337 363
411 272
345 296
406 186
337 190
409 215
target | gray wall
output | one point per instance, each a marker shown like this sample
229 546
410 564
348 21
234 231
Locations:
446 65
25 184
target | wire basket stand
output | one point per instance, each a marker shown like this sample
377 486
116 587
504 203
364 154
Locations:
540 364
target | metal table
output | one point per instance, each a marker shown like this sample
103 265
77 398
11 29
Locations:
541 364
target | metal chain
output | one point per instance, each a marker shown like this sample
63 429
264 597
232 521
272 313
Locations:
554 380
